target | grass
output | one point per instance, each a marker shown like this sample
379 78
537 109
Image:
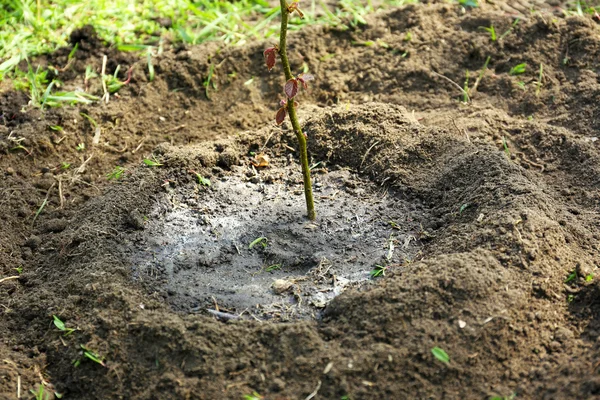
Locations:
261 240
116 173
31 28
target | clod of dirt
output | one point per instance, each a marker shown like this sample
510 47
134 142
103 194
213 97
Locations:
281 286
135 219
33 242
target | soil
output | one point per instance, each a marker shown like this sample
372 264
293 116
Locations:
482 215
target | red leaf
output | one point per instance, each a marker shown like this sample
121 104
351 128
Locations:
280 116
291 88
270 57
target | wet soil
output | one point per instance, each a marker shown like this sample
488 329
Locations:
483 215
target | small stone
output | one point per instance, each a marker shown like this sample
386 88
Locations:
10 171
281 286
461 324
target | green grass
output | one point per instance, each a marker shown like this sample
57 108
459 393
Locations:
35 27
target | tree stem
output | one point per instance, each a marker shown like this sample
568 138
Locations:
310 204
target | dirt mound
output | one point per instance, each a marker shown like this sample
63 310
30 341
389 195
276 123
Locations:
483 217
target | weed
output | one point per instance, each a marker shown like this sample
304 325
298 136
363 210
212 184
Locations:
57 128
379 270
40 394
463 208
491 31
570 298
539 82
511 397
80 147
208 82
505 145
588 278
518 69
273 267
253 396
261 240
201 180
469 3
571 277
95 357
65 165
152 162
20 270
440 355
116 173
61 326
466 88
509 30
149 55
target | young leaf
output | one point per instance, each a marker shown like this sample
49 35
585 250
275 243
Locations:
59 324
270 57
440 355
291 88
303 78
294 7
280 116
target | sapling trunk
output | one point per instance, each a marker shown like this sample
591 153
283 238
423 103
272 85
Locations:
291 110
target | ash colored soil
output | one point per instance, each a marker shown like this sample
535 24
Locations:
481 211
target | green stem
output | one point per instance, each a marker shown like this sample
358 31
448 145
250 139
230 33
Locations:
310 204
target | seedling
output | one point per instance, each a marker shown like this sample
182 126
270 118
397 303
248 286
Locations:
571 277
150 65
261 240
469 3
518 69
80 147
201 180
539 82
291 88
440 355
95 357
152 162
113 84
253 396
588 278
491 31
61 326
20 270
463 208
505 145
273 267
65 165
208 82
116 173
511 397
509 30
379 270
40 394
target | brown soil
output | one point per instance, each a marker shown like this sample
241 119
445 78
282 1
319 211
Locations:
479 211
